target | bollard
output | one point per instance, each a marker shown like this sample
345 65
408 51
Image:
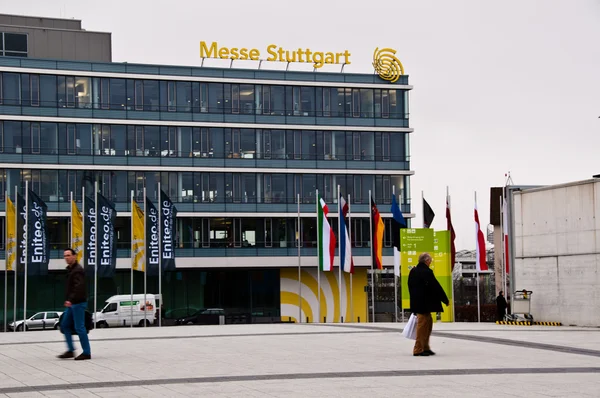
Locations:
124 322
324 319
307 320
342 318
358 319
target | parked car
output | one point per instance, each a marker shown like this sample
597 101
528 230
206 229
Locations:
207 316
41 320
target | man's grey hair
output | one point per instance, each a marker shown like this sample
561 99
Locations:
424 257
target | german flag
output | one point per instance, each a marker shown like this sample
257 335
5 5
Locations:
377 238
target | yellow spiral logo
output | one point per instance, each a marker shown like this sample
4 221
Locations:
387 66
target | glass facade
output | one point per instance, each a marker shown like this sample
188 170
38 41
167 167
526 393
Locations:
234 153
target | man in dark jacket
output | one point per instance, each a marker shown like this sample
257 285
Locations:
500 306
75 303
426 296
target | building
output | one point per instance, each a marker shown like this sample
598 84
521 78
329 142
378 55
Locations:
233 148
52 38
554 245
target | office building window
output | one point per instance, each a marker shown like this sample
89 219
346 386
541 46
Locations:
34 90
105 93
13 44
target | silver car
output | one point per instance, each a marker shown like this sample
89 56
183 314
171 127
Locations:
40 321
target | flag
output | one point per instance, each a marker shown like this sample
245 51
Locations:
398 222
11 235
76 231
346 260
21 209
38 242
377 238
326 237
481 259
452 234
89 236
168 214
107 238
505 233
138 257
152 246
428 214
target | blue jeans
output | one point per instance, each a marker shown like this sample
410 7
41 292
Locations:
74 318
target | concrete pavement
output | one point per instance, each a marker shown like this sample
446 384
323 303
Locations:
306 360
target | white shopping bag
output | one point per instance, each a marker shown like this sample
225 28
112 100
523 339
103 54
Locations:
410 330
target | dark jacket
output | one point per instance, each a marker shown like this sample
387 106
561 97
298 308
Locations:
501 304
76 293
426 293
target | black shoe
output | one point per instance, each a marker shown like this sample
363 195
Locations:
83 357
67 354
429 352
422 354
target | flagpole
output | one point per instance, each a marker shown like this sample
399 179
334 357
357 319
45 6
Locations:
160 259
16 268
299 263
83 248
71 226
340 251
146 268
503 253
394 271
5 258
97 255
132 262
350 236
477 268
423 206
451 265
372 270
400 250
26 255
319 243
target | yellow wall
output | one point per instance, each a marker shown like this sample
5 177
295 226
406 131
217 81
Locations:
330 299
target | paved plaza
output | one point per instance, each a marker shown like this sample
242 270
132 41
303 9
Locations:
306 360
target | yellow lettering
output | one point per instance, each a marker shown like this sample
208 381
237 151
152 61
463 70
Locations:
329 58
300 54
244 53
254 54
347 57
272 53
205 52
223 52
318 59
308 54
234 53
280 52
337 57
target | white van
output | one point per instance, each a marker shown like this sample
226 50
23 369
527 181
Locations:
124 309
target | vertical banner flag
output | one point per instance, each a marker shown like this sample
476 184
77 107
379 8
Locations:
107 238
377 238
346 260
442 268
168 216
152 230
481 259
138 259
11 235
505 234
398 222
89 236
326 237
21 209
413 242
452 234
428 214
77 231
38 247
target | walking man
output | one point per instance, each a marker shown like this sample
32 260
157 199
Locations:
75 303
500 306
426 296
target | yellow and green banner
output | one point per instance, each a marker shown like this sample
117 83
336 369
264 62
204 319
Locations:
413 242
76 231
11 235
138 247
442 268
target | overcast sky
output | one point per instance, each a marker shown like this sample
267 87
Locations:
498 86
